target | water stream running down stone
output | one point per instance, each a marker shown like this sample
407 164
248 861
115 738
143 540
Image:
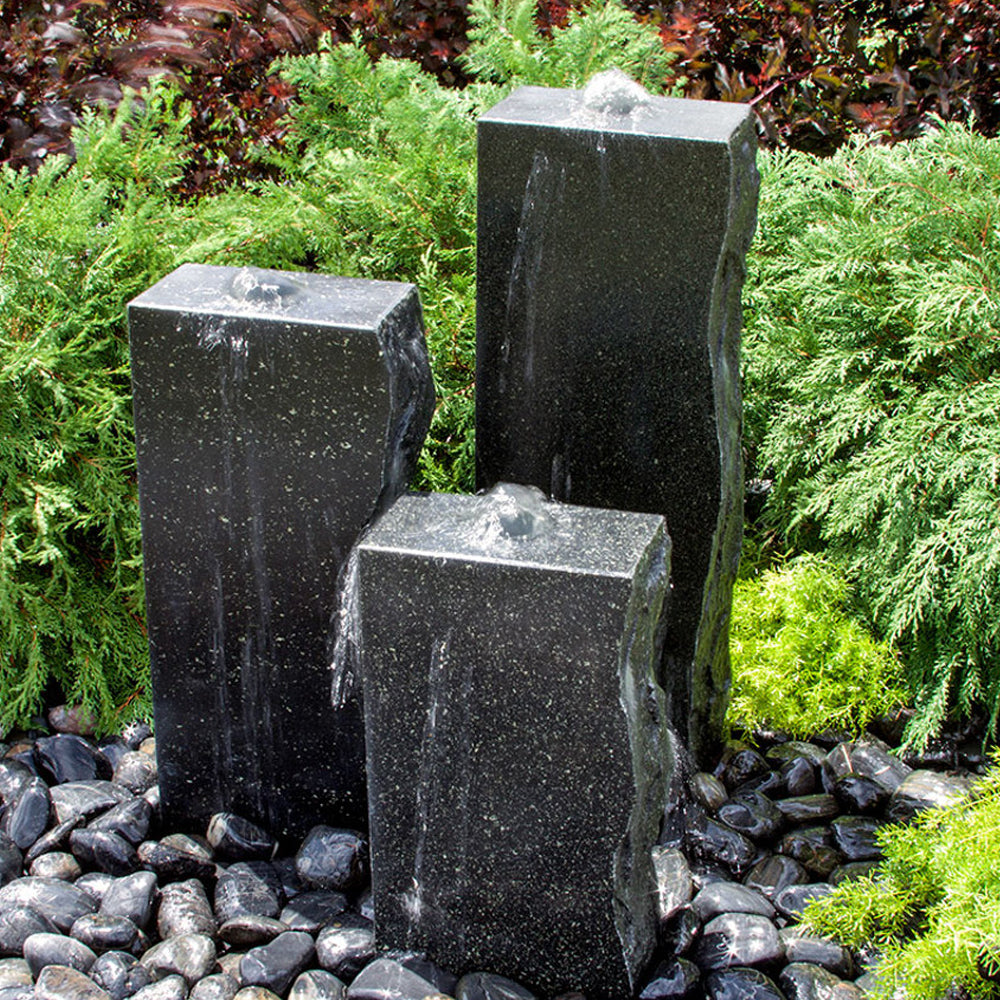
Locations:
518 750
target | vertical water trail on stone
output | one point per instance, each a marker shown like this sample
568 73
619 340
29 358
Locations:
345 658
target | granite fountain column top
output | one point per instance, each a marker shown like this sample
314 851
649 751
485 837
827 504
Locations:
518 753
276 414
612 232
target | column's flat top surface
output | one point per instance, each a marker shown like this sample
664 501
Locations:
290 296
515 525
665 117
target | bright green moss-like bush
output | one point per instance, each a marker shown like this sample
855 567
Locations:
799 662
933 906
871 354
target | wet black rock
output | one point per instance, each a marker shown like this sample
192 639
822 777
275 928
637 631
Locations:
803 947
11 860
65 757
808 808
385 979
851 869
868 758
172 864
345 951
59 902
707 791
131 897
56 864
922 790
102 933
58 982
710 839
737 939
191 956
119 973
741 984
107 852
129 820
775 872
171 988
249 931
316 984
673 979
730 897
800 776
28 813
856 837
743 765
41 950
681 932
312 911
136 771
792 901
333 859
812 846
96 884
17 924
54 839
753 814
246 888
485 986
185 909
803 981
216 987
275 965
83 799
233 838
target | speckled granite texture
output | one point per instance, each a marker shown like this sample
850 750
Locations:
518 752
275 415
611 258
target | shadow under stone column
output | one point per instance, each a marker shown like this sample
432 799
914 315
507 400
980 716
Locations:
275 415
613 227
518 751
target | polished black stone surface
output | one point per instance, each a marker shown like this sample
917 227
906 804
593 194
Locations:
611 259
275 415
518 753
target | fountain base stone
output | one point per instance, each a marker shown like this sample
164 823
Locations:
518 748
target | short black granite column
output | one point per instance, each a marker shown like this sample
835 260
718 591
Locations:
612 232
518 753
275 415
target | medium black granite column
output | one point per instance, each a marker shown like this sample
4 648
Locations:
518 752
612 232
275 415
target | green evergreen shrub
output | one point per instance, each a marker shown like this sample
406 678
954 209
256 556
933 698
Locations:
871 349
800 663
932 907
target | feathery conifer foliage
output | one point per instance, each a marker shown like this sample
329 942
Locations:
932 907
872 386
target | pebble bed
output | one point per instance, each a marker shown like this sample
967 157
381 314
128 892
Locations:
98 902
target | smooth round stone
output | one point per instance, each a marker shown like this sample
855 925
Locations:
486 986
229 965
333 859
194 845
782 753
244 890
119 973
792 901
58 982
233 838
707 790
112 750
132 897
859 795
15 972
96 884
681 933
189 955
174 865
922 790
56 864
56 839
804 981
672 980
770 783
275 965
813 847
256 993
171 988
136 771
135 734
741 984
11 860
185 909
57 949
714 841
316 984
856 837
291 884
148 745
674 886
868 758
249 930
101 932
753 814
14 778
216 987
17 924
345 951
83 799
737 939
17 993
803 947
107 852
851 869
65 757
443 980
130 820
730 897
771 874
742 766
60 902
28 814
808 808
799 775
312 911
385 979
73 719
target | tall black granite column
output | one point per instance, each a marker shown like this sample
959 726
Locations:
275 415
518 752
612 232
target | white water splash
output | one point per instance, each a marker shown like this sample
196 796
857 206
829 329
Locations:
614 93
346 658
